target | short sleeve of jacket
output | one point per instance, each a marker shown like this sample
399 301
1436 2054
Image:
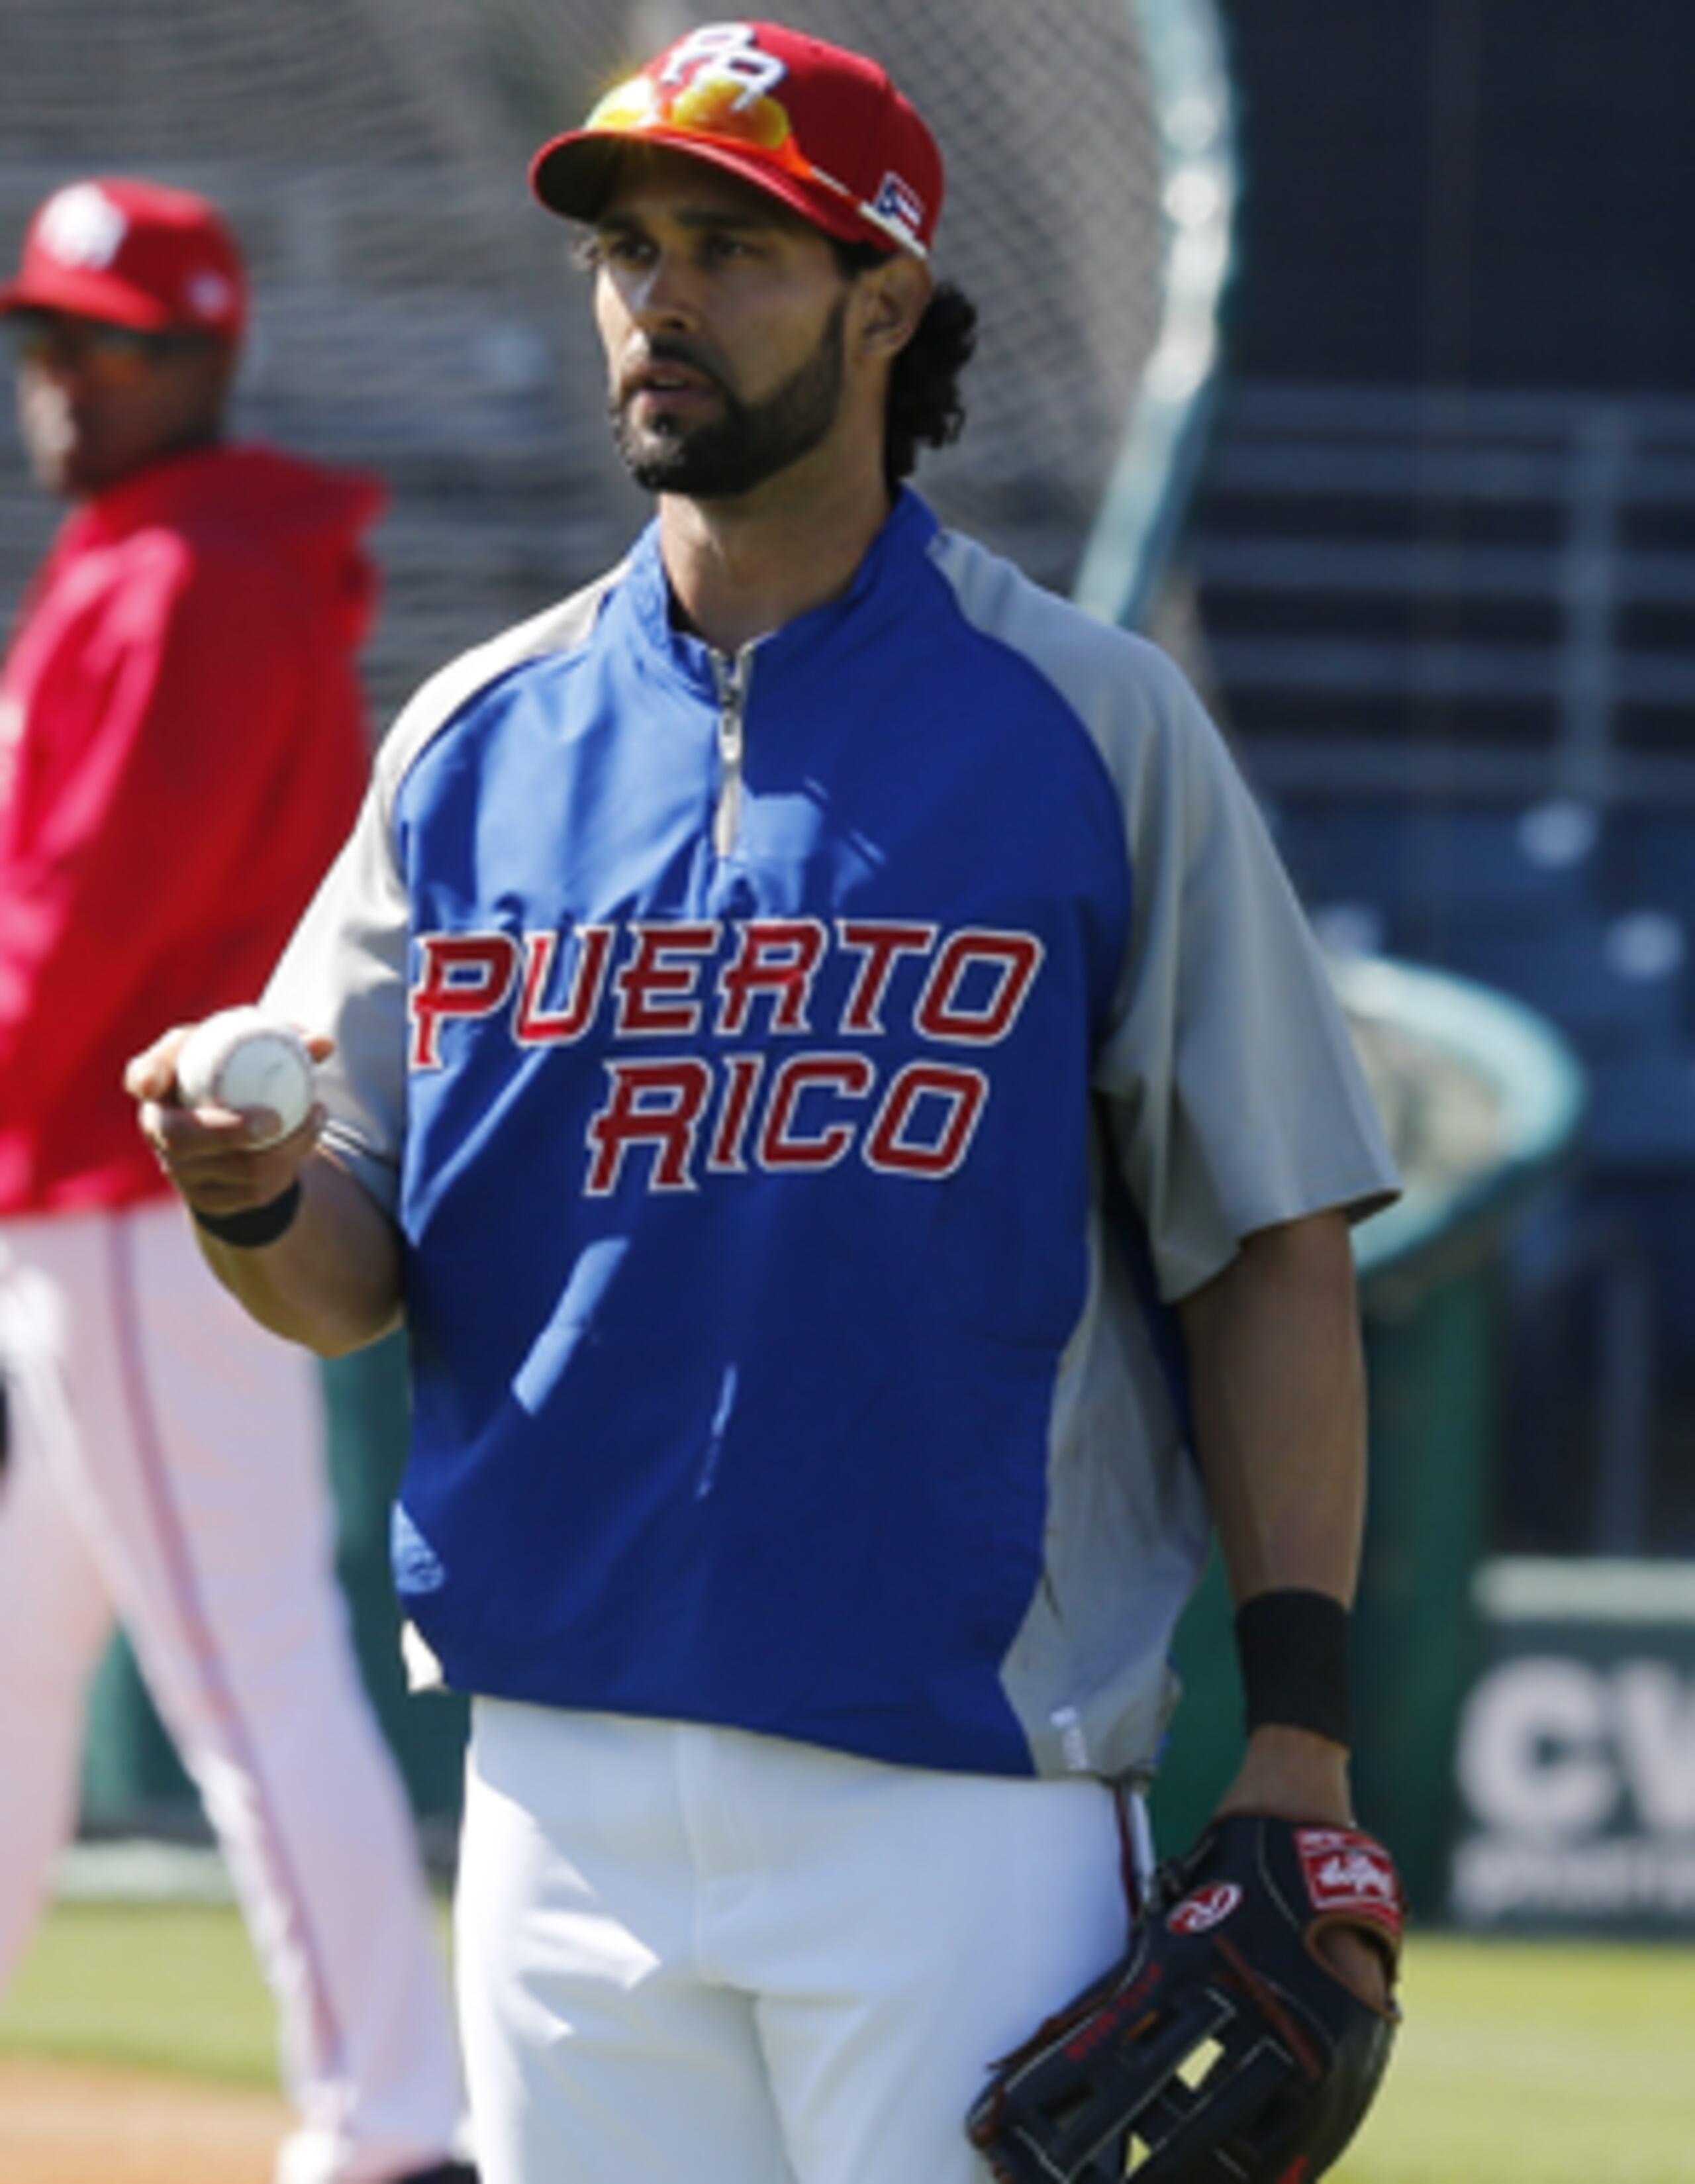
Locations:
346 970
1232 1089
1235 1094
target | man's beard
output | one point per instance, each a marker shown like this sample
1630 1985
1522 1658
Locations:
750 441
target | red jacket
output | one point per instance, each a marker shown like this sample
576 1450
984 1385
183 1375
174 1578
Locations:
182 749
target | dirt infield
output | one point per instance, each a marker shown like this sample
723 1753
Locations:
64 2123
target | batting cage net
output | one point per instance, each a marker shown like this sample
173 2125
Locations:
415 308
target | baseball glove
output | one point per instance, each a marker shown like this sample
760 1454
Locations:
1222 2050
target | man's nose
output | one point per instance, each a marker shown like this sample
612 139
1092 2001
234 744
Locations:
665 294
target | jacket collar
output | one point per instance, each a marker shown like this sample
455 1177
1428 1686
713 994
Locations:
883 578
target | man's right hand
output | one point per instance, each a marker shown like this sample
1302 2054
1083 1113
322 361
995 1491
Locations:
209 1153
331 1276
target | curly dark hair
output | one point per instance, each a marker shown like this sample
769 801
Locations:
925 406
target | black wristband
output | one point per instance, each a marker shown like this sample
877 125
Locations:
1292 1646
255 1224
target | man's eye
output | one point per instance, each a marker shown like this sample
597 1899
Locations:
617 250
718 247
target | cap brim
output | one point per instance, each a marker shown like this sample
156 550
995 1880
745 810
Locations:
573 175
89 294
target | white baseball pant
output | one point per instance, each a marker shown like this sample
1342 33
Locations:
167 1463
690 1955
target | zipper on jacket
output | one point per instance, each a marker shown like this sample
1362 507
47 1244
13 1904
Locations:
732 677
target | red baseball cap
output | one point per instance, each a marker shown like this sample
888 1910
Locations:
822 129
134 254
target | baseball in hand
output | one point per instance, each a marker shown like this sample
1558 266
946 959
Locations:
241 1059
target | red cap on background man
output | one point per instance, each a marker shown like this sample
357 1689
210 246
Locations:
821 129
134 255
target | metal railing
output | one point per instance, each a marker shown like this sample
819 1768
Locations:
1483 588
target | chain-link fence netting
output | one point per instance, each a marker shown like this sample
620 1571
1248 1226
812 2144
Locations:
415 309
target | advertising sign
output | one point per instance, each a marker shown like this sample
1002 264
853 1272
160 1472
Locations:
1576 1757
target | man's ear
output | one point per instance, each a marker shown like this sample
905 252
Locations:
893 298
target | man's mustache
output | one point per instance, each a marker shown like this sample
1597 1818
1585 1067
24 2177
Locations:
658 354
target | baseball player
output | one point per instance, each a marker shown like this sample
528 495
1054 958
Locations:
828 1064
181 745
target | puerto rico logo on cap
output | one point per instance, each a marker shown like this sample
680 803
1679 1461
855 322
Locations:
82 226
730 53
900 206
715 82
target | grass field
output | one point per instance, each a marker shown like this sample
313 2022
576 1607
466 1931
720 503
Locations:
1520 2064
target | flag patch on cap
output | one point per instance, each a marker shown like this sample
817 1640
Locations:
901 206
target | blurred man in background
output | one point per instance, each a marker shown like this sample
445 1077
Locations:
181 748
